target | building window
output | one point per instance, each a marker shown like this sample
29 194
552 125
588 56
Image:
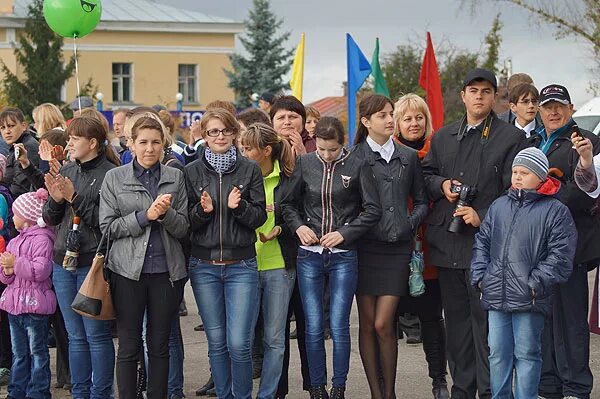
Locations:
187 83
122 82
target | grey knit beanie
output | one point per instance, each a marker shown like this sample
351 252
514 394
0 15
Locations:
533 159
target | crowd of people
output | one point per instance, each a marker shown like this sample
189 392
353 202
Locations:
271 215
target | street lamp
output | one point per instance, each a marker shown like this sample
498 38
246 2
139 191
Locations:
179 98
99 103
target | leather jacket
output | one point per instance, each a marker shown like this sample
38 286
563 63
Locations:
87 179
225 234
397 180
337 196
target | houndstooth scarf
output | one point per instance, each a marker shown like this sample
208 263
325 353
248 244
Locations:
221 163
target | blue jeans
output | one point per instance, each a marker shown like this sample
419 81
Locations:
227 298
276 287
175 384
342 269
91 349
30 371
515 341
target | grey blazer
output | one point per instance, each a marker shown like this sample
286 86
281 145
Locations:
121 196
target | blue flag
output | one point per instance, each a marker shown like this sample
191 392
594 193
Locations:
358 71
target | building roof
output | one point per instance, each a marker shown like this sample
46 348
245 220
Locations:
331 106
144 15
140 11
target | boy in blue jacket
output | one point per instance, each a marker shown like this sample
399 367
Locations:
525 246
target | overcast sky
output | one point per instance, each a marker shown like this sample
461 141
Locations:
532 48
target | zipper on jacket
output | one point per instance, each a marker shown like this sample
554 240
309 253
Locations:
505 254
221 213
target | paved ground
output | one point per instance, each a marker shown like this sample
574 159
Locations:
412 381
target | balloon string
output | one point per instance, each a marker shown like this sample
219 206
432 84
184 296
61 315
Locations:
77 71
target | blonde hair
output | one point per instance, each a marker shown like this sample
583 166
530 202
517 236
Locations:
412 102
48 117
260 135
312 111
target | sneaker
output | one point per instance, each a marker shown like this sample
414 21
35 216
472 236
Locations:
4 376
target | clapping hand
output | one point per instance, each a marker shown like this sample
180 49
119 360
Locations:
206 202
159 207
235 196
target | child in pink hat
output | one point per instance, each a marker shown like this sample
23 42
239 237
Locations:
28 299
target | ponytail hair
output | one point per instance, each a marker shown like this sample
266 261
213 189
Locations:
261 135
369 105
93 128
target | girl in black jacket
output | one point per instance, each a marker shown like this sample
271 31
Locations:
384 253
226 206
331 203
76 192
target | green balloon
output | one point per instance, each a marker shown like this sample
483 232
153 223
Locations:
72 18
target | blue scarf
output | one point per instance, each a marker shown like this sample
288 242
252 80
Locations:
547 142
221 163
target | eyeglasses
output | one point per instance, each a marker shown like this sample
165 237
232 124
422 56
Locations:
528 101
216 132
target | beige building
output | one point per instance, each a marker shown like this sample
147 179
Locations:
142 53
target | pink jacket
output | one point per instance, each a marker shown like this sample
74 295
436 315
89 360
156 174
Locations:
29 288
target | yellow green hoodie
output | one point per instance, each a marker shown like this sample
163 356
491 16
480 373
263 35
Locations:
268 254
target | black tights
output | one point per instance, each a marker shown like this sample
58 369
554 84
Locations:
378 344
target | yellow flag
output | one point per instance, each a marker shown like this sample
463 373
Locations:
298 70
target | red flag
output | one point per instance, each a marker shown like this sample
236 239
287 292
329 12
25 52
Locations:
429 80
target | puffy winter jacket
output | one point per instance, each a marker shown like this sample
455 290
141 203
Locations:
29 289
525 246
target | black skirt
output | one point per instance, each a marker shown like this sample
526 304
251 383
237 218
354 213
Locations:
383 268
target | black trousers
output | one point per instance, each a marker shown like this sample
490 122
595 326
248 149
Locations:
566 341
5 344
295 308
428 309
466 331
63 374
160 298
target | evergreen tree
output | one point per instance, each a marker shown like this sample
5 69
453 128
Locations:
493 40
267 59
40 56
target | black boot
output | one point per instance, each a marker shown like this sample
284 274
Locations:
318 392
434 346
337 393
203 391
441 392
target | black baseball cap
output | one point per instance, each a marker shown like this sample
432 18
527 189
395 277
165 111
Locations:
268 97
556 93
480 74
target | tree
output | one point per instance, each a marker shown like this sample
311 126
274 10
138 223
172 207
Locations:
401 69
456 64
576 18
40 55
267 59
493 40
